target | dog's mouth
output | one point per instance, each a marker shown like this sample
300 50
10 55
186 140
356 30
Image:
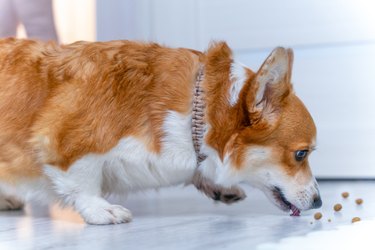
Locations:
284 203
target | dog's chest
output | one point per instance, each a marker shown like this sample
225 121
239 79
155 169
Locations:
130 166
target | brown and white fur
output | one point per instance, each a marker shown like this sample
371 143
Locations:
84 120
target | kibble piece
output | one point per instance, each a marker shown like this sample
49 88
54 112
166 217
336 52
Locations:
356 219
329 220
311 222
359 201
318 216
337 207
345 195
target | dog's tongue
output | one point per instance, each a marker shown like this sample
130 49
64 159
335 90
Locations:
295 210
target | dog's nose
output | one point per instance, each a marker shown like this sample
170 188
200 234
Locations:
317 202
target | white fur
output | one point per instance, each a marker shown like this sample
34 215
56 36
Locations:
221 172
238 78
263 172
273 70
128 166
301 190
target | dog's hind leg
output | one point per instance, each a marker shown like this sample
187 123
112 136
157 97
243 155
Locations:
16 169
217 192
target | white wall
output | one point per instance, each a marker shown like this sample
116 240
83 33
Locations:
334 43
245 24
336 84
75 20
124 19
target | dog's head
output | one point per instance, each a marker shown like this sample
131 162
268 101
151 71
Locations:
269 134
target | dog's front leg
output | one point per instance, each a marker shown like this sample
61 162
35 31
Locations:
217 192
81 187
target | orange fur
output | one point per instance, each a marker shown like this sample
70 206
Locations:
59 103
62 102
236 128
223 119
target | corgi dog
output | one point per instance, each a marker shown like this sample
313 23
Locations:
82 121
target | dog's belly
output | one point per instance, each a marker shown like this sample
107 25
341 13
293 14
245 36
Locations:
137 169
127 167
131 166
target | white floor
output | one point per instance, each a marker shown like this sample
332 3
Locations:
182 218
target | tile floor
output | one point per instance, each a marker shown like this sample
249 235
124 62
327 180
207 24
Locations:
181 218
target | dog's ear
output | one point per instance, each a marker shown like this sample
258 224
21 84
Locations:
218 62
270 87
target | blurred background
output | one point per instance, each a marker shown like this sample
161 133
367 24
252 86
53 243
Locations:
334 44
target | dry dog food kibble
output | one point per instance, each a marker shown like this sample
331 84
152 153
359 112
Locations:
359 201
345 195
318 216
337 207
329 220
356 219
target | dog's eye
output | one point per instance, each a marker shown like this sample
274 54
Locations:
300 155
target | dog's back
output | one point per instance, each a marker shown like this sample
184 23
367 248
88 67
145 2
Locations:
83 98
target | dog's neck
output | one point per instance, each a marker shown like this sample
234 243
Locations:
223 116
212 114
198 124
212 166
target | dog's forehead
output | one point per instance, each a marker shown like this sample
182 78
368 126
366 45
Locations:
296 126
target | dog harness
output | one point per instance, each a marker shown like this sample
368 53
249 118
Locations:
198 125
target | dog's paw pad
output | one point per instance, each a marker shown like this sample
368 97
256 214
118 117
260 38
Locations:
112 214
216 195
230 195
217 192
230 198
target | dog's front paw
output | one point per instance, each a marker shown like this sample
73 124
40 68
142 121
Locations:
10 203
103 215
227 195
216 192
